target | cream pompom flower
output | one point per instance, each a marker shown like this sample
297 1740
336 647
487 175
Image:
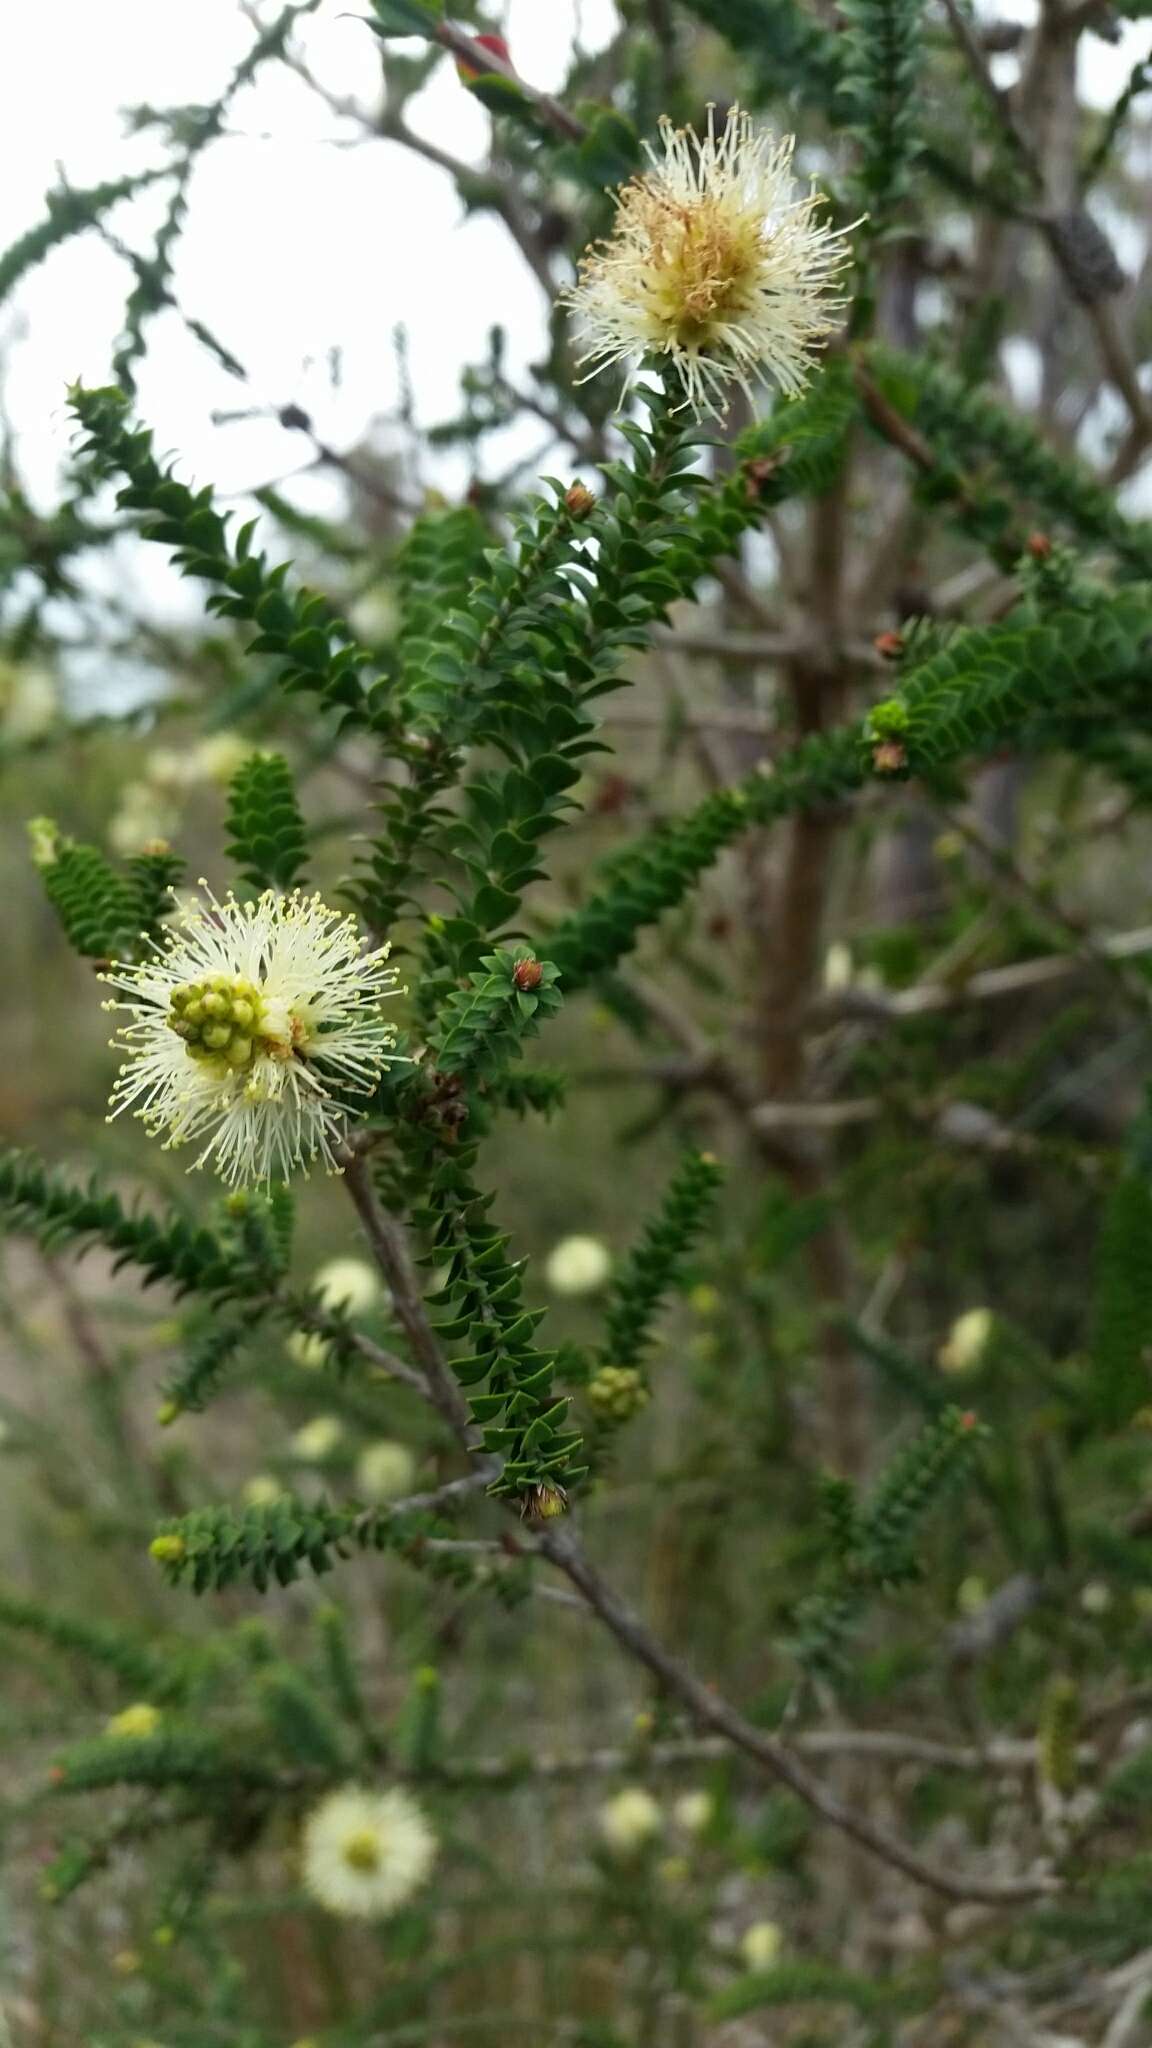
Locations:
349 1284
693 1811
365 1853
385 1471
577 1265
967 1341
629 1820
761 1944
717 264
249 1023
316 1441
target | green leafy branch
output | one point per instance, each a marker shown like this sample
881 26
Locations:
653 1266
508 1380
985 683
268 839
967 426
70 212
298 627
107 912
187 1255
879 63
481 1026
213 1548
875 1546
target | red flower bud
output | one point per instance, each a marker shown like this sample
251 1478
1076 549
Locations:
527 975
889 757
579 501
467 71
890 645
1039 546
758 470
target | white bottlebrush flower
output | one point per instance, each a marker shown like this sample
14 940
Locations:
385 1472
760 1944
577 1265
219 756
308 1350
247 1018
717 266
143 816
28 701
350 1284
365 1853
837 967
693 1811
214 759
316 1440
262 1490
630 1819
967 1341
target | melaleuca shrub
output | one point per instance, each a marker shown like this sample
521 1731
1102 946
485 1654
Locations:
614 1498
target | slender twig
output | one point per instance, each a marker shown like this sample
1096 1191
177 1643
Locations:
1113 348
390 1246
712 1711
1127 2026
483 60
1007 867
318 1324
872 1745
928 997
562 1548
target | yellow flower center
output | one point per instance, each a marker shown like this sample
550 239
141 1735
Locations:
706 257
218 1019
362 1851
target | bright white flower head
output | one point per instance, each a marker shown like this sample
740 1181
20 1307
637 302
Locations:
761 1944
629 1820
365 1853
693 1811
385 1471
143 815
308 1350
246 1018
577 1265
717 265
262 1490
967 1341
316 1440
350 1284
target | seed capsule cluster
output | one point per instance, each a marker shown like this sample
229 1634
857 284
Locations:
218 1018
616 1393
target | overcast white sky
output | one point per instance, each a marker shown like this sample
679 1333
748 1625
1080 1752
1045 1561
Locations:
292 246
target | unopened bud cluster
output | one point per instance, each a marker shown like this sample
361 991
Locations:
579 501
616 1393
217 1018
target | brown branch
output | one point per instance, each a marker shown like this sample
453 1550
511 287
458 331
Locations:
711 1711
870 1745
390 1247
930 996
1004 864
1053 225
562 1548
484 61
